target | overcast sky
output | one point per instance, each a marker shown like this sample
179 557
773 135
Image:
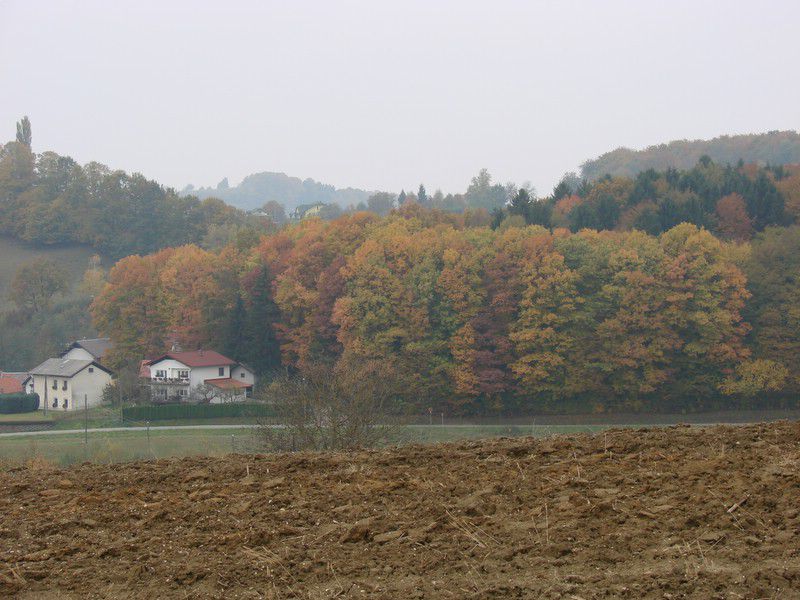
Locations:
385 95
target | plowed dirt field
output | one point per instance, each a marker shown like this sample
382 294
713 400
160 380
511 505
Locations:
657 513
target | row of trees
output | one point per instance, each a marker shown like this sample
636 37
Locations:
471 319
733 202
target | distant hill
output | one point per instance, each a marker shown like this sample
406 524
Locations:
774 148
257 189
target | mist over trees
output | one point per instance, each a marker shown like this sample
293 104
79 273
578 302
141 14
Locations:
257 189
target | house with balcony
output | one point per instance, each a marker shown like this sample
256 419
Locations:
197 376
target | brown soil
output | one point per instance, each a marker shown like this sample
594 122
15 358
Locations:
660 513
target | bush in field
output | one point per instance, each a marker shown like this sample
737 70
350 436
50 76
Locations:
329 408
18 403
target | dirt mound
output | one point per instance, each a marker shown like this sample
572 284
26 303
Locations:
659 513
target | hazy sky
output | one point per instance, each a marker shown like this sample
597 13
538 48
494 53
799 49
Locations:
385 95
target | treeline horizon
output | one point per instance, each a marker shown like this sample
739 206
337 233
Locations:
474 320
50 199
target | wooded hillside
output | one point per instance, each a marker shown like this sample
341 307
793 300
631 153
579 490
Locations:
773 148
50 199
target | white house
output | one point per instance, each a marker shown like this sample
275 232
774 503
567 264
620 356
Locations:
197 375
88 349
69 383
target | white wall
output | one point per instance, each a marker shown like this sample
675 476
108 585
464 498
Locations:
79 354
90 384
48 395
170 366
249 377
200 374
84 382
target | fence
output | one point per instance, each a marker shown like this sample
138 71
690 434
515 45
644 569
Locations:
174 412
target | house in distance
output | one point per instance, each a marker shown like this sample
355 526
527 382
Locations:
88 349
197 376
69 383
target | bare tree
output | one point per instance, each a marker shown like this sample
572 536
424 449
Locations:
325 408
204 393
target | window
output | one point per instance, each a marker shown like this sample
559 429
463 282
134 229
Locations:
222 371
55 384
242 375
91 369
55 403
161 373
183 374
64 385
183 392
161 393
65 404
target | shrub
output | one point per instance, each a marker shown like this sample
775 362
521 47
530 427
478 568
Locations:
18 403
168 412
340 408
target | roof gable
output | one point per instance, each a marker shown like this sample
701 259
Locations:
97 347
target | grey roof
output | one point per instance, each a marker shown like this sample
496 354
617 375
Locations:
97 347
63 367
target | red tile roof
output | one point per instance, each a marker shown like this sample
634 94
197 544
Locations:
196 358
10 385
226 383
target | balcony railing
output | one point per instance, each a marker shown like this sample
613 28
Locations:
169 381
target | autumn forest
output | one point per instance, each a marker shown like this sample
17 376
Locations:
673 289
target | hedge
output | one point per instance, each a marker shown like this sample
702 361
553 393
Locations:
168 412
18 403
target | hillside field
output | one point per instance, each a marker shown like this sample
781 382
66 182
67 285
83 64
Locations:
671 512
74 259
